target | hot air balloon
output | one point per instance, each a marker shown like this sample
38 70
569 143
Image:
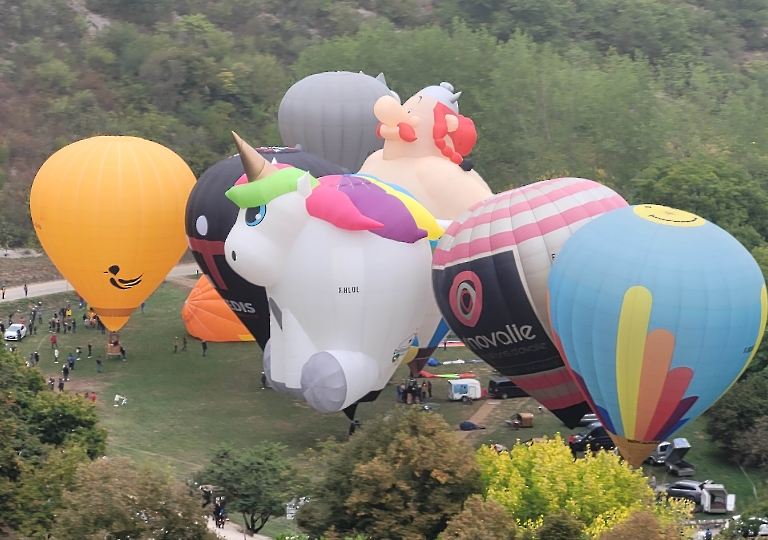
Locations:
345 263
207 316
426 140
490 274
210 216
331 115
109 212
657 312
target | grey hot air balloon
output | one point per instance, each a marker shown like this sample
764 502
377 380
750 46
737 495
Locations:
331 115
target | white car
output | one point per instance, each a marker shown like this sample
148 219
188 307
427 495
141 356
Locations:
16 332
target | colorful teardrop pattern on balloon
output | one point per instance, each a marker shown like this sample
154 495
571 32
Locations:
651 393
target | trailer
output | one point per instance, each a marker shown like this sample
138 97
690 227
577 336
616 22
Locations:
674 458
716 500
464 390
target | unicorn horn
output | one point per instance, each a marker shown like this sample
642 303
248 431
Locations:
455 97
256 167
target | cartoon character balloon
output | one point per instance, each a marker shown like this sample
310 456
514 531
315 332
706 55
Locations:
426 140
109 213
210 216
657 312
208 316
490 273
331 115
345 263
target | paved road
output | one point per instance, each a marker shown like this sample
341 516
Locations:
62 285
233 532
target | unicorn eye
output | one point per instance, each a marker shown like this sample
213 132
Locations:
255 215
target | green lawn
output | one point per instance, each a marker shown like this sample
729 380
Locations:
180 406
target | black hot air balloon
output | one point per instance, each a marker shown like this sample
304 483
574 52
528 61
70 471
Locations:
209 218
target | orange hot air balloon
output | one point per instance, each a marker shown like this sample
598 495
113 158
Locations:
109 212
207 315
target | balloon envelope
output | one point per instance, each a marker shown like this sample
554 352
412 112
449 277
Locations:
490 273
209 218
331 115
207 316
109 213
657 312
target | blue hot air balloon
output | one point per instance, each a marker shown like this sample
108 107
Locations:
656 312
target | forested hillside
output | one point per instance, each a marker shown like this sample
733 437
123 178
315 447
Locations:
614 90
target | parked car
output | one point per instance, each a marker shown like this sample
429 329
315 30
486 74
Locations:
503 388
659 454
16 332
594 436
685 489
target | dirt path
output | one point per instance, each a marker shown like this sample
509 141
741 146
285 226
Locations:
479 417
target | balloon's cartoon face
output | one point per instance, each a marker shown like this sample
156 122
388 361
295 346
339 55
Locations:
272 213
668 216
119 283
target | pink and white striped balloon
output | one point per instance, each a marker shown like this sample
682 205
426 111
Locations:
506 245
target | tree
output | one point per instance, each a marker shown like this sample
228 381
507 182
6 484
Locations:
641 526
560 526
257 482
403 476
735 414
541 479
715 189
58 418
480 520
125 502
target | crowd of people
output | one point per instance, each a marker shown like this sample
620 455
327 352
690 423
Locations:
413 392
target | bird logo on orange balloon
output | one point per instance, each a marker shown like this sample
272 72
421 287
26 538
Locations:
122 284
426 141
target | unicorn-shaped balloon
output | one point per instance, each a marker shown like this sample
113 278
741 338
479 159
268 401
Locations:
345 262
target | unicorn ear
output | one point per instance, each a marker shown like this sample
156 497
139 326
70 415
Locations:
304 185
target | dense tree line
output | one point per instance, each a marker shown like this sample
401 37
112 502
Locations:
601 89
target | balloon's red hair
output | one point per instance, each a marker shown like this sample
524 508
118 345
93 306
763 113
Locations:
463 138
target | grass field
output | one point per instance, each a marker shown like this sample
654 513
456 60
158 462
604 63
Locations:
181 406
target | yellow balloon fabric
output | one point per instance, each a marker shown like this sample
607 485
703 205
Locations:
109 212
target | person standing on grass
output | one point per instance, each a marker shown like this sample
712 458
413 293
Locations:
122 351
26 290
263 380
56 356
74 326
61 384
205 346
65 371
37 358
3 291
142 307
51 383
429 388
98 364
71 361
183 343
176 344
89 349
54 342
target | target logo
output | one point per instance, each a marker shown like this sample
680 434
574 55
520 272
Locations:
466 298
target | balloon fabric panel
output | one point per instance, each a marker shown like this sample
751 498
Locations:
656 319
122 199
496 258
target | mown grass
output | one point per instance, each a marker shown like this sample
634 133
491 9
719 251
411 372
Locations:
181 406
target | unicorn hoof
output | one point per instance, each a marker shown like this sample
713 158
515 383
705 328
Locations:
324 382
276 386
332 380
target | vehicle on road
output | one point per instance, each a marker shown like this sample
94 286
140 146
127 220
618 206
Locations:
659 454
594 436
16 332
685 489
503 388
